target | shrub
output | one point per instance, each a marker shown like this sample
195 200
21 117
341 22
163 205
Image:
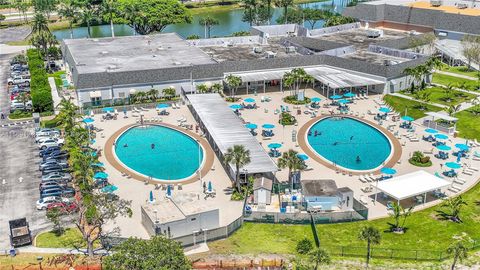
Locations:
304 246
18 114
40 89
293 100
51 123
286 119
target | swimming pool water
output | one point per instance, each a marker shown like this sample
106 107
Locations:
349 143
174 156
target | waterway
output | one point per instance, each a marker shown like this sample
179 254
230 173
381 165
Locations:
230 22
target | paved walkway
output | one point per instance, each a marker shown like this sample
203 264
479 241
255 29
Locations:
56 98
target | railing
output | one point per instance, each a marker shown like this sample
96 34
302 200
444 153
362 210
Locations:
394 52
334 29
303 217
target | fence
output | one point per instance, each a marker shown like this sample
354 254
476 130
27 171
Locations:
394 52
303 217
387 253
128 107
334 29
339 52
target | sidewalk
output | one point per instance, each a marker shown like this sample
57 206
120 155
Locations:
56 98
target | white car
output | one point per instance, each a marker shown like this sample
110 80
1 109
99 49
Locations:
51 142
43 203
42 139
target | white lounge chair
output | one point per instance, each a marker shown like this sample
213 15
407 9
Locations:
467 172
362 179
458 181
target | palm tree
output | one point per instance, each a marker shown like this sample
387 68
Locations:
398 212
202 88
291 161
452 109
434 63
169 92
319 256
217 87
153 94
233 83
285 4
372 236
39 23
413 72
68 114
108 9
454 206
240 157
69 10
87 15
208 22
458 248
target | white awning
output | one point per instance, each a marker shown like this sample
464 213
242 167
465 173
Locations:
259 76
95 94
410 185
337 78
442 116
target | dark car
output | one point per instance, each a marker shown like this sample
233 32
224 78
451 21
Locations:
47 151
53 169
51 166
52 162
57 155
66 192
49 185
57 176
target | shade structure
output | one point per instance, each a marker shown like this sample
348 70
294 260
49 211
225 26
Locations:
384 110
409 185
209 186
169 191
443 147
407 118
316 99
249 100
453 165
268 126
109 189
251 126
431 130
150 197
235 106
302 157
389 171
100 175
343 101
108 110
336 97
163 105
274 145
349 95
462 146
88 120
441 136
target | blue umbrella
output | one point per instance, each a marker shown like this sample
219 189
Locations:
268 126
109 189
441 136
459 156
387 170
125 111
349 95
169 191
302 157
88 120
151 199
336 97
100 175
163 105
107 109
343 101
407 118
93 153
316 99
235 106
443 147
431 130
462 146
274 145
249 100
98 164
209 188
251 126
453 165
92 141
384 109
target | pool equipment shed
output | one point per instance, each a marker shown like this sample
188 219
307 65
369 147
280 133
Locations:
262 191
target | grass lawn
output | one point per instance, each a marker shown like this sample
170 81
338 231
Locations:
462 70
437 93
400 104
58 79
468 125
51 240
446 79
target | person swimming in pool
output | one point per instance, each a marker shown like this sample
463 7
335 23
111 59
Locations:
351 138
335 143
358 159
152 146
125 145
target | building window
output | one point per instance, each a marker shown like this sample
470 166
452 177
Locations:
401 86
121 95
96 101
193 219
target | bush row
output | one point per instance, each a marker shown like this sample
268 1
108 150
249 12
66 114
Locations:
40 89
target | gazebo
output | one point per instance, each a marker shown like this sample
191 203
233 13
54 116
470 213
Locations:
431 123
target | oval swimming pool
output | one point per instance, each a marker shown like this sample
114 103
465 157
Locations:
349 143
159 152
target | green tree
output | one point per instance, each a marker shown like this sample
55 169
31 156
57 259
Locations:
313 15
453 109
338 19
150 16
194 37
291 161
256 12
372 236
285 4
208 22
202 88
88 14
152 94
319 256
233 82
155 253
217 87
22 7
239 156
304 246
169 92
453 207
41 37
459 248
69 10
397 213
68 115
294 15
45 6
2 18
54 215
108 10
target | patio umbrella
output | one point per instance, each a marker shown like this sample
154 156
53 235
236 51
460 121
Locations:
431 130
336 97
407 118
316 99
343 101
88 120
389 171
249 100
98 164
251 126
235 106
169 191
441 136
462 146
274 145
349 95
107 110
384 110
163 105
92 141
443 147
109 189
302 157
268 126
150 198
453 165
209 188
93 153
100 175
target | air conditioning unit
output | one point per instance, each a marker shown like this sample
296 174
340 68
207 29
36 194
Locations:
290 49
257 49
436 3
374 33
462 5
270 54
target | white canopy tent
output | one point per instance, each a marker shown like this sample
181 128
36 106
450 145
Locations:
442 116
431 123
410 185
338 78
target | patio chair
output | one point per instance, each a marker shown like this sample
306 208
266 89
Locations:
362 179
457 181
454 188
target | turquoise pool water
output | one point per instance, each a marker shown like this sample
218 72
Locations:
349 143
175 155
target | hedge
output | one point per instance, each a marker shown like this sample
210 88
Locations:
40 89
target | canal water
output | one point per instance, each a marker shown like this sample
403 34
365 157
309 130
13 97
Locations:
230 22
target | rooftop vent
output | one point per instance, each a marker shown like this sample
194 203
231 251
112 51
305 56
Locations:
104 52
95 40
177 63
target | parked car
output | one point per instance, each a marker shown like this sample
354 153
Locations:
20 106
52 166
49 170
43 203
64 208
51 142
56 155
64 192
49 150
57 176
48 185
52 163
42 139
47 133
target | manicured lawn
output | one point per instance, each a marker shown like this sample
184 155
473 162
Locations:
468 125
400 104
438 94
51 240
58 79
446 79
462 70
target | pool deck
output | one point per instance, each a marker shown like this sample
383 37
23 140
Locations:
302 142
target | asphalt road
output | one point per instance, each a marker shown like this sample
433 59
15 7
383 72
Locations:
18 159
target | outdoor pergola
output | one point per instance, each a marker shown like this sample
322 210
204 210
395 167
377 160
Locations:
435 115
410 185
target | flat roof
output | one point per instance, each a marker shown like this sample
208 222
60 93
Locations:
411 184
133 53
227 130
448 6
